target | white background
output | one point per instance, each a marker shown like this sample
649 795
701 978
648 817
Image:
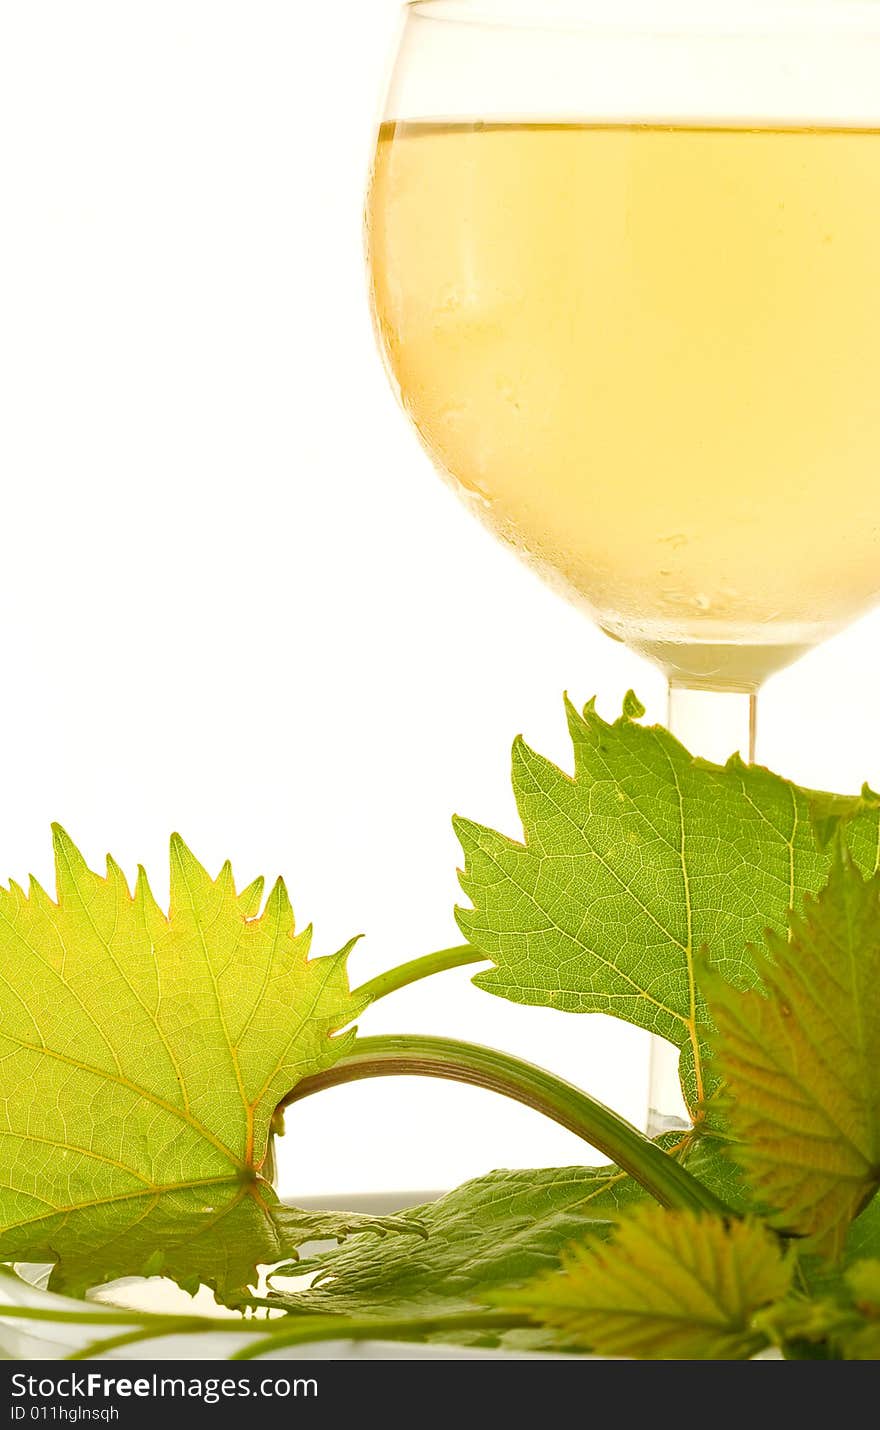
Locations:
236 600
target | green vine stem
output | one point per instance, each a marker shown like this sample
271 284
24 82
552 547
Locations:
265 1335
424 967
409 1328
287 1329
411 1055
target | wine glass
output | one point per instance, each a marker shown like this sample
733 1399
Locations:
624 270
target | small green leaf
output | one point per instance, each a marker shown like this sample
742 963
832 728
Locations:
800 1060
668 1286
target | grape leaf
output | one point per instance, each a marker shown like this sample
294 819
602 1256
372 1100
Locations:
492 1231
800 1059
631 865
668 1286
141 1061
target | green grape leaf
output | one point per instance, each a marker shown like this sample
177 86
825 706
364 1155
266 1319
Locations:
668 1286
633 864
141 1061
492 1231
800 1059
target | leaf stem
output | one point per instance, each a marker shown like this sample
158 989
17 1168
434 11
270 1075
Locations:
412 1055
416 968
332 1328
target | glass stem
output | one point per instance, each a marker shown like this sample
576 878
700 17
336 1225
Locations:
712 724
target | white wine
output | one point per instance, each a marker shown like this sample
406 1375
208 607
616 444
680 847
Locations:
650 358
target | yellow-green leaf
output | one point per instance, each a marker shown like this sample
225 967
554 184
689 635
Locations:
630 866
141 1059
800 1057
668 1286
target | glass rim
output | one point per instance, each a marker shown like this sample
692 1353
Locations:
655 15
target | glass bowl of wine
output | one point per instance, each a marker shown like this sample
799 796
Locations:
623 269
